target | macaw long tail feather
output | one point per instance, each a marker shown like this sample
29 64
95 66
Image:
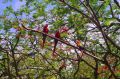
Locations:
56 41
44 38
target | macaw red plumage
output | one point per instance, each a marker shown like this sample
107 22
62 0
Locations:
57 35
45 30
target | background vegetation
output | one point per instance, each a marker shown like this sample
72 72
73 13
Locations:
88 47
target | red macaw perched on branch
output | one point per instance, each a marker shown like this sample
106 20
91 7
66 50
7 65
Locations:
45 30
57 35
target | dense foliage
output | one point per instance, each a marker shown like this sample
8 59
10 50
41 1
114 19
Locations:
81 40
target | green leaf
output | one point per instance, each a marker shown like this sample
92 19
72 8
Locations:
1 26
10 9
63 35
108 21
35 15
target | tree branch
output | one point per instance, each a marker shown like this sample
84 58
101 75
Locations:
64 43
